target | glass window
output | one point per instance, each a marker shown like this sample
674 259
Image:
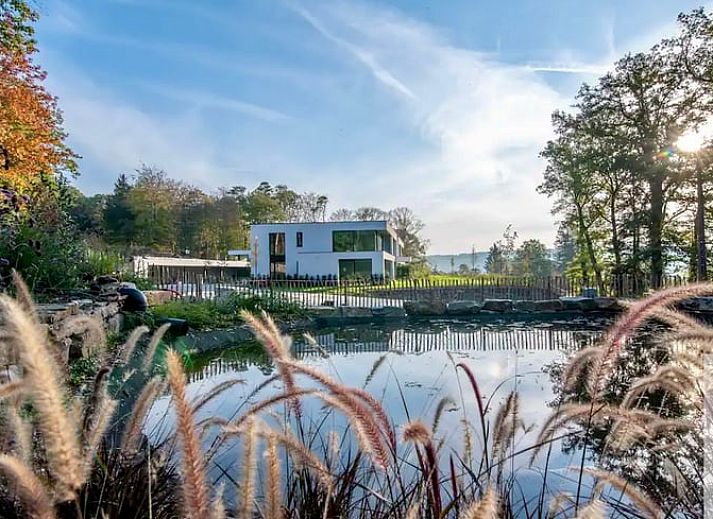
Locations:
299 239
343 241
358 268
366 241
277 243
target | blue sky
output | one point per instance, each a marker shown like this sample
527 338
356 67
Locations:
438 105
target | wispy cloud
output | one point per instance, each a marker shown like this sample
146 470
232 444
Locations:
362 55
203 99
482 123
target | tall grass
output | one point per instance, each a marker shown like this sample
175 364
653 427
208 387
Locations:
67 455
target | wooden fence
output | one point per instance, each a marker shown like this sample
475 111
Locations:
215 283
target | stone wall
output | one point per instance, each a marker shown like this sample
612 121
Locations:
57 317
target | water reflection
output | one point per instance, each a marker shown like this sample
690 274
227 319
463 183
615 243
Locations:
505 356
414 339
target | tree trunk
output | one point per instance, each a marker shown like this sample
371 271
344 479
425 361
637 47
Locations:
656 218
584 233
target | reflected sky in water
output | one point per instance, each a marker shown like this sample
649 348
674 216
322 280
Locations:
418 372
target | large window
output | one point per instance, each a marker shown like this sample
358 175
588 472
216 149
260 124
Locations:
356 268
354 241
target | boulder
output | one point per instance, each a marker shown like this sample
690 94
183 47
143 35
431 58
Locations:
462 308
389 312
356 312
608 304
579 304
548 305
497 305
429 308
523 306
324 311
698 304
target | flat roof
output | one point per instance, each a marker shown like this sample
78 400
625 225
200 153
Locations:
320 223
163 261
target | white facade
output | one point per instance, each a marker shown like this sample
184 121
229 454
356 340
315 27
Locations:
310 249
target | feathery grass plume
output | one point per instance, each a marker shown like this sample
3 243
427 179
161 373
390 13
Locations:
624 434
314 345
92 329
467 440
413 511
418 432
374 368
247 481
153 345
60 432
642 502
577 364
665 425
366 431
195 490
273 342
214 393
94 400
363 405
21 430
440 408
130 345
556 505
628 323
269 402
293 445
217 509
32 493
131 437
568 413
486 508
101 420
11 389
672 379
273 481
23 296
506 421
678 320
592 510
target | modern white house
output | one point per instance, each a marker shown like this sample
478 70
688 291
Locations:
337 249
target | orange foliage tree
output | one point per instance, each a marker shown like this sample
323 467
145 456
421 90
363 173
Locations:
31 134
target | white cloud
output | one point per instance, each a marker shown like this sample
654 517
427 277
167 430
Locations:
484 121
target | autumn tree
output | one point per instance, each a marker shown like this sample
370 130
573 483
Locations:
31 134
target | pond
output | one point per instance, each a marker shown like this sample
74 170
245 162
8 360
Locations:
410 368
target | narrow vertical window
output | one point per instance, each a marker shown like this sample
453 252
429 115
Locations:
299 239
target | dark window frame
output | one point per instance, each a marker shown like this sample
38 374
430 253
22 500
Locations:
299 238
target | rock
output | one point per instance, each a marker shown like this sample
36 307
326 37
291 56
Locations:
548 305
355 312
498 305
608 304
698 304
324 311
158 297
425 308
389 312
523 306
462 308
579 304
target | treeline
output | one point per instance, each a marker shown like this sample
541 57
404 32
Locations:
530 258
626 191
149 212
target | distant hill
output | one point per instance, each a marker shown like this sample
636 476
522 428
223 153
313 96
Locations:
442 262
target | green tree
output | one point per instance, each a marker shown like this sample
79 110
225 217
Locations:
119 220
496 262
532 259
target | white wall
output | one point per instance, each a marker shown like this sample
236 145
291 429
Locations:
315 257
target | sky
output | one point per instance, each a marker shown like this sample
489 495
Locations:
439 105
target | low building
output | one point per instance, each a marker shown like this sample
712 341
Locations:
332 249
148 266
